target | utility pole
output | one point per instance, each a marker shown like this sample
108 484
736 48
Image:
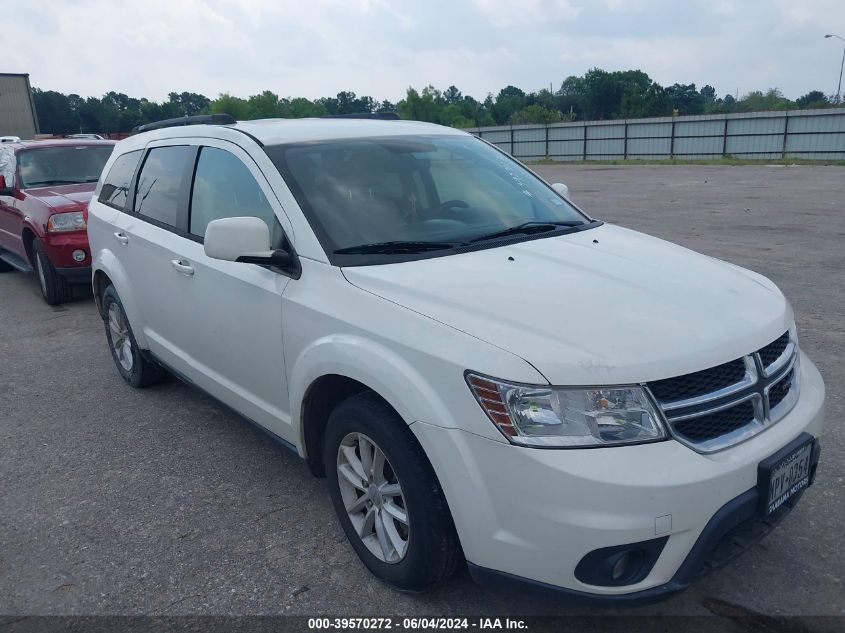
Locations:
841 67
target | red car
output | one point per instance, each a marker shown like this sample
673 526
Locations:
45 187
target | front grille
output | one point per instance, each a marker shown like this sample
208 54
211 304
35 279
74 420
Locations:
780 390
713 425
714 408
698 383
773 350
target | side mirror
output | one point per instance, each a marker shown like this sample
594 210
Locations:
231 238
245 240
562 189
4 189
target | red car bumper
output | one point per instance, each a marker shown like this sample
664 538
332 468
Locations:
60 247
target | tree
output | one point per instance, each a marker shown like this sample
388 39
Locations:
686 99
187 103
708 92
263 106
508 101
813 99
756 100
54 111
300 108
422 106
452 95
535 113
227 104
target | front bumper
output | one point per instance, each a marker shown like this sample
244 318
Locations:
77 275
534 514
733 530
60 246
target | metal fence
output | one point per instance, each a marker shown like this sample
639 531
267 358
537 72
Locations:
810 134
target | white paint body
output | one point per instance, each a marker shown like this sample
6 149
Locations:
603 306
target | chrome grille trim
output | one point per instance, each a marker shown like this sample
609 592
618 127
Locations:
749 379
755 386
781 361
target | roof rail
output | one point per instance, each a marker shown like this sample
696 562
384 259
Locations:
381 116
200 119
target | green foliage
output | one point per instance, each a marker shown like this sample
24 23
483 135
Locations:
598 94
227 104
813 99
536 114
772 99
686 99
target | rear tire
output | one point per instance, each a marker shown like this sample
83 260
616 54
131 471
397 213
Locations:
133 367
54 288
409 540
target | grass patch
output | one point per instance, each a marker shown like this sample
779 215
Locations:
680 161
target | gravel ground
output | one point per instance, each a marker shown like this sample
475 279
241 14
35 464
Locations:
117 501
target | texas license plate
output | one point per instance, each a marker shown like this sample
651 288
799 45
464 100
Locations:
787 476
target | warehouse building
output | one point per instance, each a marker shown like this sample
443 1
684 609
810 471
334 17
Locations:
17 111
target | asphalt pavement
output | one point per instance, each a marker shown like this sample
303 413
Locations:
159 501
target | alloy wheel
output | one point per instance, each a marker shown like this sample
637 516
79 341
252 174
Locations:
373 497
120 341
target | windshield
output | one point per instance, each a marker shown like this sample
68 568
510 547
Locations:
68 164
403 195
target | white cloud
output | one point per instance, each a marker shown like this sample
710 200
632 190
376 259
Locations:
505 13
380 47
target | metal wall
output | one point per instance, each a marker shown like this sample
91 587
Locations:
17 112
812 134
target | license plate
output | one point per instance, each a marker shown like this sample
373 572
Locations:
787 476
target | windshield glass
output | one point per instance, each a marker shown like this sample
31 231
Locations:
425 192
68 164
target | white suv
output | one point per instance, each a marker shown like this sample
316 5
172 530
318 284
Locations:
482 371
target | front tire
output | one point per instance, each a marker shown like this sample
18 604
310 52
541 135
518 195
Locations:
131 364
54 288
387 496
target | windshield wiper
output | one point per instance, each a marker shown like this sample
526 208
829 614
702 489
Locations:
528 228
394 248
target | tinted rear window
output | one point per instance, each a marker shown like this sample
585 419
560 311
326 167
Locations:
116 184
160 184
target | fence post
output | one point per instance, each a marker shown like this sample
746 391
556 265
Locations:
585 143
672 140
513 147
785 132
725 138
547 141
625 148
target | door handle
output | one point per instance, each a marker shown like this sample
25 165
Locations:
182 267
122 238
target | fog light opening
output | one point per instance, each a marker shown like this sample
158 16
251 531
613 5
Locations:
626 566
79 255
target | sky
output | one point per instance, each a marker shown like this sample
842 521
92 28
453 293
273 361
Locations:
315 48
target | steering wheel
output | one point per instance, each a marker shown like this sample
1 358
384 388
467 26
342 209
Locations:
438 211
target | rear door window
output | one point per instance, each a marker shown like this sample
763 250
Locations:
115 190
161 184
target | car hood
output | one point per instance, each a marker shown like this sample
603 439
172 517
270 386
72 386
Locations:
603 306
64 196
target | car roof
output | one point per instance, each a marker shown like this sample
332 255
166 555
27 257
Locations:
278 131
56 142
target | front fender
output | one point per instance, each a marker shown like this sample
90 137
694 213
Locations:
105 261
372 364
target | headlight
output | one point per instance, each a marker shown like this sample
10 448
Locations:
564 417
73 221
